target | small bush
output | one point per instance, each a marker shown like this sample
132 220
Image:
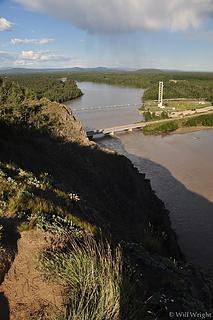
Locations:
94 277
205 120
25 227
158 128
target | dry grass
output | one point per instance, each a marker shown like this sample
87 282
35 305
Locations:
93 274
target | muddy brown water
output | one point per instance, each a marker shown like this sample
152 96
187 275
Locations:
179 166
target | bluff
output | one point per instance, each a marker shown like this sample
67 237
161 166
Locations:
54 179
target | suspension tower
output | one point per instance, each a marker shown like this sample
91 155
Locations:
160 95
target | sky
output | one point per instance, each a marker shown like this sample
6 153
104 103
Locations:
166 34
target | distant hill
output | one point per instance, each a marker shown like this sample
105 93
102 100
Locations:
14 71
148 70
52 70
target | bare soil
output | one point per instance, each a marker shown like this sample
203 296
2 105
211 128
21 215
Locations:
24 294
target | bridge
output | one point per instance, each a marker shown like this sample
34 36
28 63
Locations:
115 106
111 131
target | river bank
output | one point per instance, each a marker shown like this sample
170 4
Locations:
172 125
190 129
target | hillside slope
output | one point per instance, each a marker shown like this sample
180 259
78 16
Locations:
52 178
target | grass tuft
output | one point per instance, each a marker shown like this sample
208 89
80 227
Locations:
93 274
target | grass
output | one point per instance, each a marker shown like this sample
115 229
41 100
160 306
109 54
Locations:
154 239
179 105
93 274
37 202
187 105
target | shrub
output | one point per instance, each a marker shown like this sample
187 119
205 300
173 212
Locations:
164 127
201 120
93 274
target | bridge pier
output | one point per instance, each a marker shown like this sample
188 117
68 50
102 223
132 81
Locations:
130 130
112 133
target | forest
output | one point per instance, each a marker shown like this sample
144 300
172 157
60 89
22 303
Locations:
53 87
61 86
190 85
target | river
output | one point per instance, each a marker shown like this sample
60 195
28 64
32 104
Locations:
106 97
179 166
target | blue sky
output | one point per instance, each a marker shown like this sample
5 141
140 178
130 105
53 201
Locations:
176 34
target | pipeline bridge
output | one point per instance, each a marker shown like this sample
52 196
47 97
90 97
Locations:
115 106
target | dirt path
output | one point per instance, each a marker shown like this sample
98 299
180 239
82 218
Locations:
24 293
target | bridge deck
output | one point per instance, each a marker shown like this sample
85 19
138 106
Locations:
123 128
130 127
112 130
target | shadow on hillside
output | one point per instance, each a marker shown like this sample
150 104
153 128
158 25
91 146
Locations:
9 240
4 307
190 213
113 196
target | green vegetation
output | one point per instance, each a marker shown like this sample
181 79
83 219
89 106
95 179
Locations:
158 128
52 87
94 276
153 240
151 116
35 201
189 85
204 120
194 88
181 105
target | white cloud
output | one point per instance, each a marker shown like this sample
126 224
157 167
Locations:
5 25
34 59
18 41
45 40
126 15
30 55
37 57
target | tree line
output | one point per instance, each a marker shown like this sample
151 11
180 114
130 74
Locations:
190 85
53 87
